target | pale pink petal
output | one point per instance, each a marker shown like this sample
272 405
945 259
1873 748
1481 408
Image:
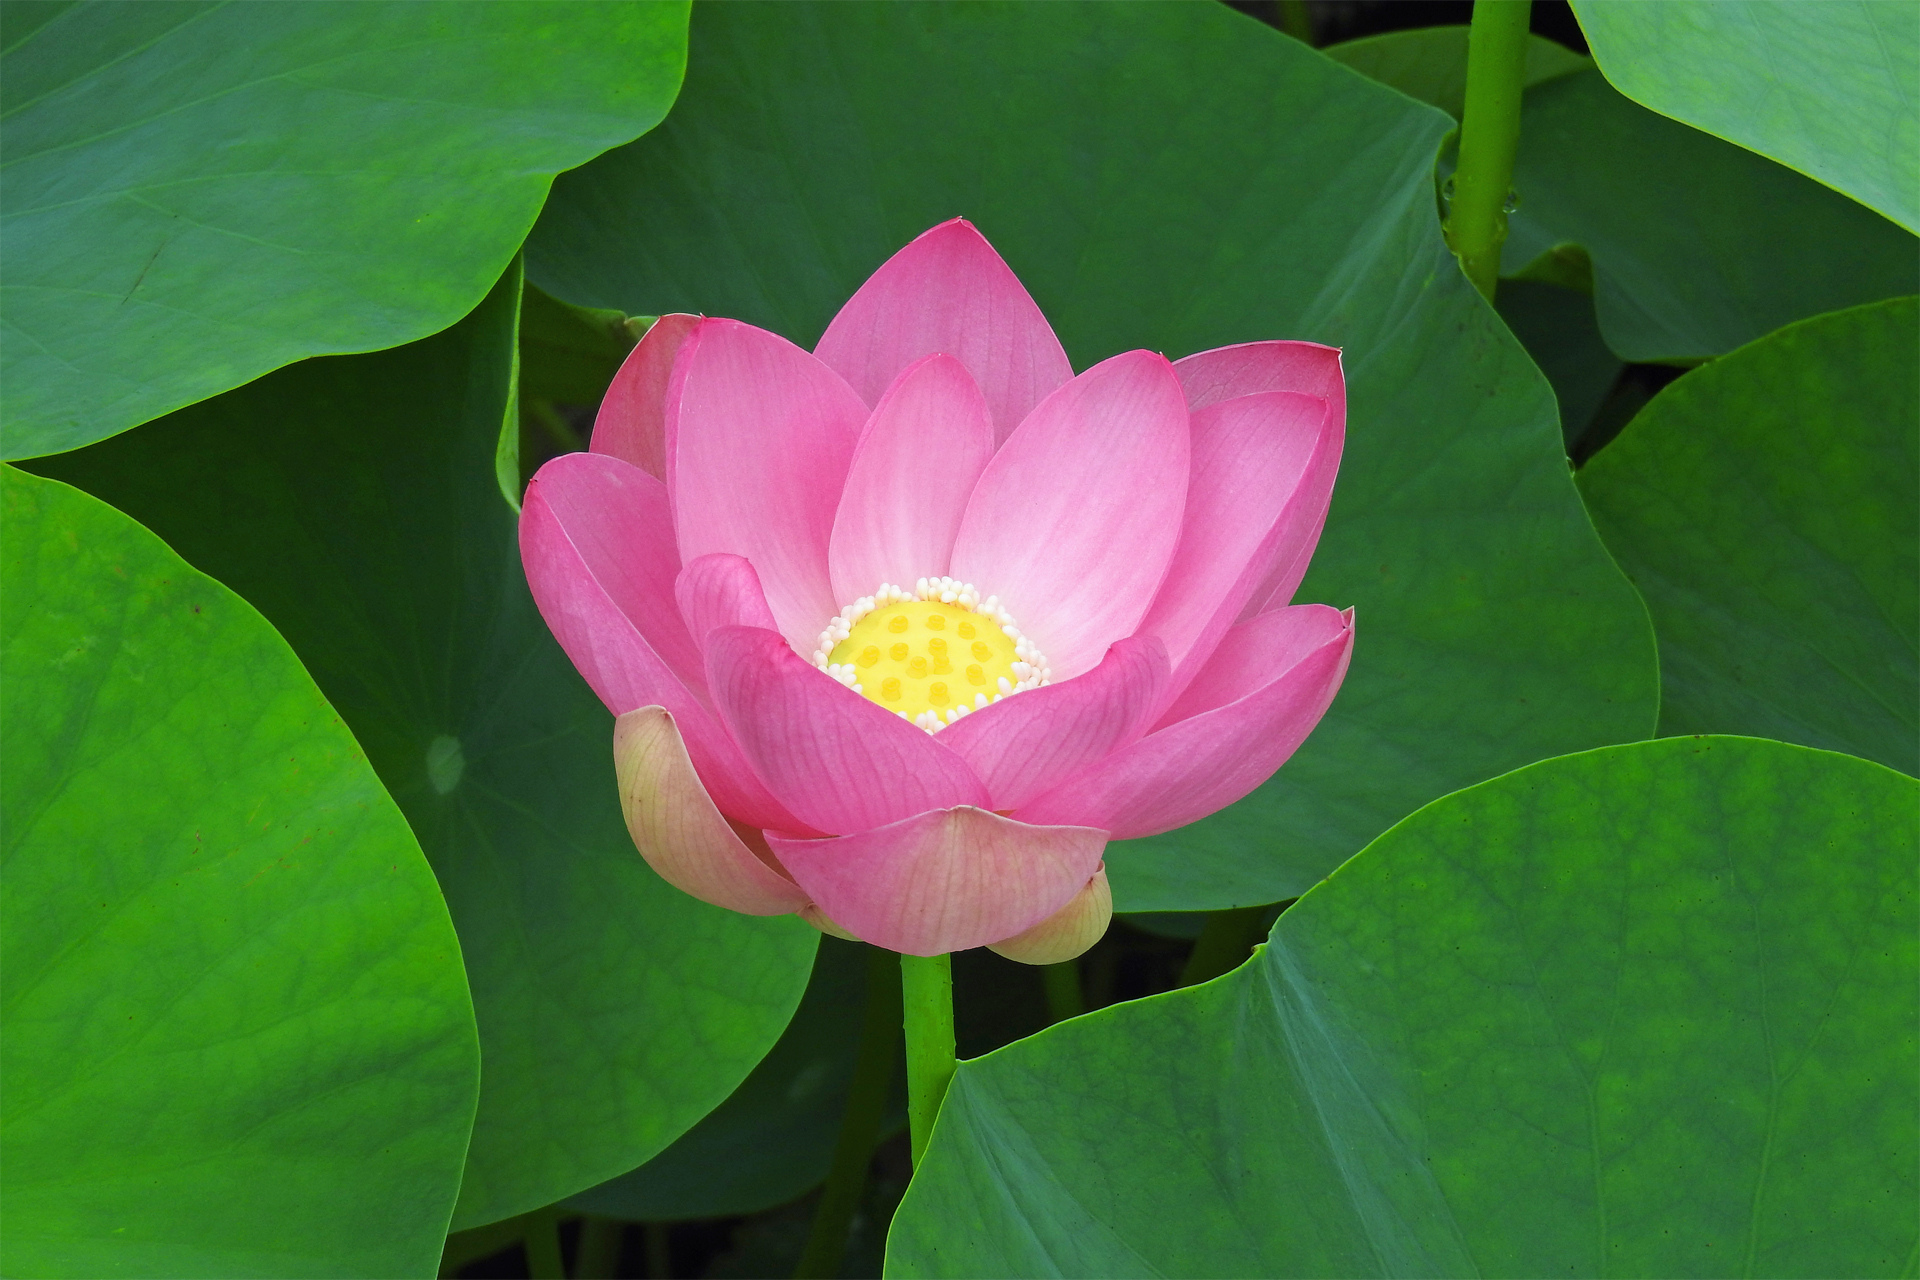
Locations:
926 444
820 920
838 761
1066 933
1196 766
760 434
721 591
1249 456
1075 519
1252 367
678 830
623 669
1023 744
1253 653
615 518
943 881
632 424
948 291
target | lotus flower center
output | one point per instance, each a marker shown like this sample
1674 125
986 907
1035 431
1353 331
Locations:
932 653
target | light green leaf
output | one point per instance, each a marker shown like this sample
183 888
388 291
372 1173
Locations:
353 499
1768 508
237 1036
1829 89
1697 245
1089 143
197 193
1648 1010
1430 63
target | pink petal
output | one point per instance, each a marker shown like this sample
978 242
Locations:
1253 367
760 434
943 881
949 291
624 670
1075 519
1253 653
721 591
632 424
1022 745
1066 933
615 518
1249 456
1193 767
926 444
841 763
678 830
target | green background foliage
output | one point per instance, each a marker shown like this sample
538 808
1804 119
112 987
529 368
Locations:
1177 178
1430 63
353 499
1646 1010
198 193
238 1038
1827 89
1768 508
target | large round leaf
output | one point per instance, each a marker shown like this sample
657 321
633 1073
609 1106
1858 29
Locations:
353 500
1174 177
237 1036
1649 1010
198 193
1826 88
1697 245
1768 508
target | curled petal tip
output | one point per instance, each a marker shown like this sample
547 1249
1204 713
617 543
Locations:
1066 933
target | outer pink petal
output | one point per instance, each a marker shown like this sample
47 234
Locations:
1253 653
1191 768
949 291
721 590
943 881
632 423
926 444
615 518
1306 367
760 434
1022 745
839 762
1066 933
623 668
1075 519
678 830
1249 456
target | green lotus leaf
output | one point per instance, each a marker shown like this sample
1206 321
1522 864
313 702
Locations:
237 1035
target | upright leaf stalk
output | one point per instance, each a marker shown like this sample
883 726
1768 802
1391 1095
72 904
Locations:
926 988
1476 224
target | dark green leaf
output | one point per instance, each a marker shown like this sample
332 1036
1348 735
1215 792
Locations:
1826 88
1175 177
1556 326
1430 63
1768 508
238 1040
1649 1010
1698 246
353 499
197 193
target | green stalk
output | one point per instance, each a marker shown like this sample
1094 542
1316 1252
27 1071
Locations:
1476 224
542 1244
926 989
1065 999
860 1123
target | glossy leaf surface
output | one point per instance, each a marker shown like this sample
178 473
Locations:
238 1039
1646 1010
197 193
1828 89
1697 245
353 499
1176 178
1768 508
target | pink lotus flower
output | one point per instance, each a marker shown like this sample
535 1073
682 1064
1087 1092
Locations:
902 632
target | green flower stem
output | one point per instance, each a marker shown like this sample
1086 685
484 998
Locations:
926 987
860 1124
542 1244
1225 942
1065 999
1489 135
